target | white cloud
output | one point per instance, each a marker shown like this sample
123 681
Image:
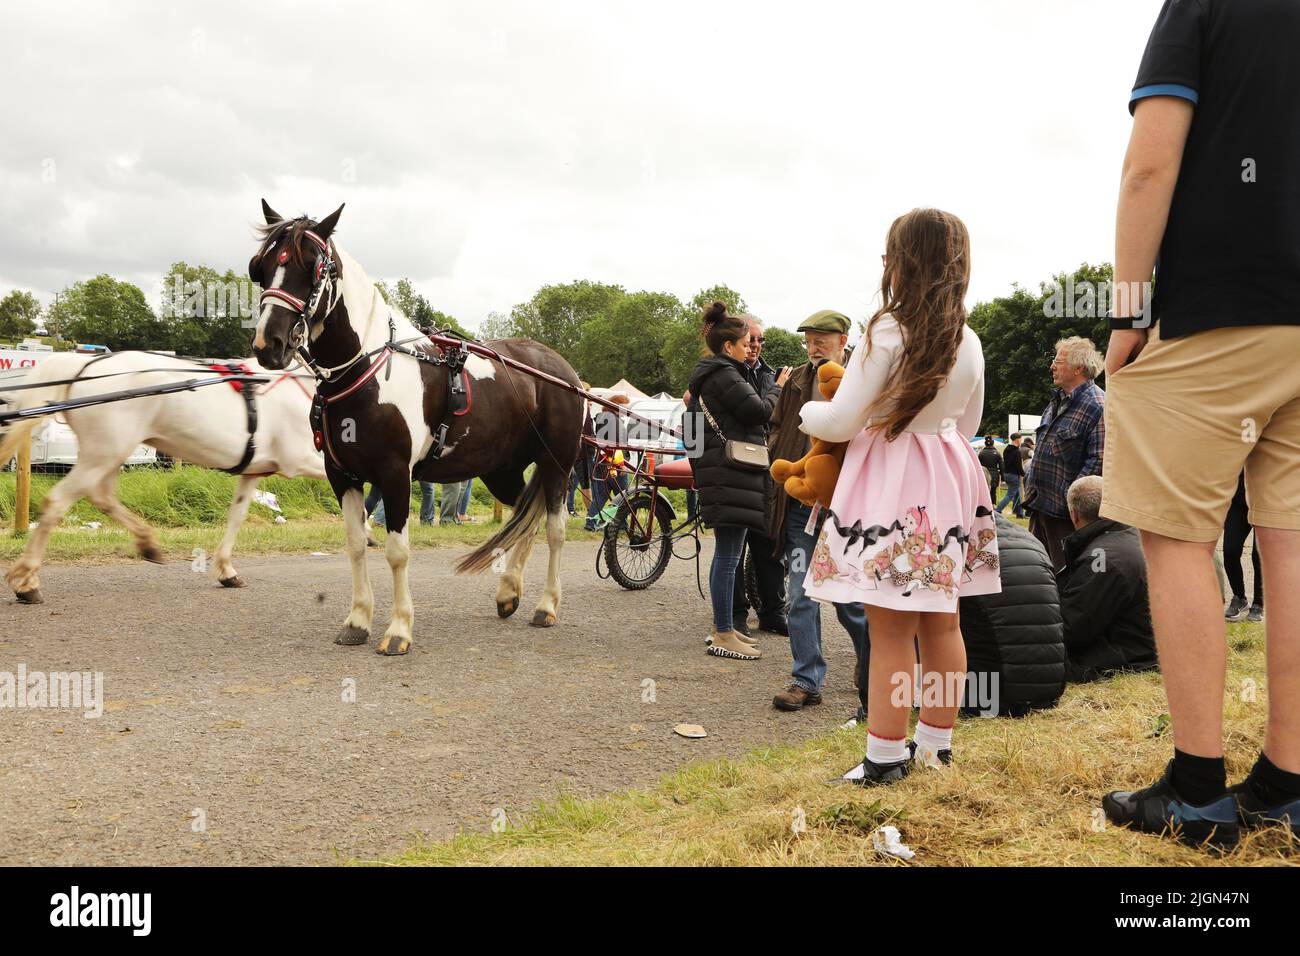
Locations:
486 149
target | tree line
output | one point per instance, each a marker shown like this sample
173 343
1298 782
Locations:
605 332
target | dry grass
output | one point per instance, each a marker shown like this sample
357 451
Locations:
1022 793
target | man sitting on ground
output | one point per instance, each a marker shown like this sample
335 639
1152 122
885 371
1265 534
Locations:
1103 588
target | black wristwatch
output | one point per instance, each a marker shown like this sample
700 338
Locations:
1137 322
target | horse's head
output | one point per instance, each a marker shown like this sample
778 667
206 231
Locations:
295 267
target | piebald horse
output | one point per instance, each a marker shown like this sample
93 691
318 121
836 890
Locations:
384 417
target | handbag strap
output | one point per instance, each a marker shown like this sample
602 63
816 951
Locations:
711 421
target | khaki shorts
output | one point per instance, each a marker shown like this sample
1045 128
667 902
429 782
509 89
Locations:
1186 417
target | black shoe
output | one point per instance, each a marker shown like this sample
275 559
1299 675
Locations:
1256 613
1159 809
777 625
1235 608
945 755
881 774
741 623
1254 814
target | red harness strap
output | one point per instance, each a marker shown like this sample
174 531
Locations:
322 436
231 369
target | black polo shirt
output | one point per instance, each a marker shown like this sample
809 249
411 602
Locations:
1231 251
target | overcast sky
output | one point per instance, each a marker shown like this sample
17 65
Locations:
486 149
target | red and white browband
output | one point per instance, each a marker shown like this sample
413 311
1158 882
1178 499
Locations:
322 264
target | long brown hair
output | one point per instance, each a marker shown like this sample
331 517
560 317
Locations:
927 271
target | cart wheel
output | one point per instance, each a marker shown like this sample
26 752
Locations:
638 542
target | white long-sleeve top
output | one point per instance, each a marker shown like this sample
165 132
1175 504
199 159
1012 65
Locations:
960 401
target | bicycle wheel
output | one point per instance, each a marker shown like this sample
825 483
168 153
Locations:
638 545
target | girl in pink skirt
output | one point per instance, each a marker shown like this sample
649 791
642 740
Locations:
910 527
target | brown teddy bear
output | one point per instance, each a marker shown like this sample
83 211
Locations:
812 478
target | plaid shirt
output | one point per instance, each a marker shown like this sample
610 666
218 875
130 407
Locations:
1067 445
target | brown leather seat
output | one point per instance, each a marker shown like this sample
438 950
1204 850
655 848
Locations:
676 474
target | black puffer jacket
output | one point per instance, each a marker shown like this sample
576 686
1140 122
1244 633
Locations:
1018 634
1105 606
730 495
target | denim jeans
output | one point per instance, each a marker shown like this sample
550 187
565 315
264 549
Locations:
728 543
1012 496
465 497
809 670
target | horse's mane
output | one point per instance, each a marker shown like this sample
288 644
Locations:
272 234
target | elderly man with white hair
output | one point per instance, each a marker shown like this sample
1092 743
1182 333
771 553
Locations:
1068 443
1103 589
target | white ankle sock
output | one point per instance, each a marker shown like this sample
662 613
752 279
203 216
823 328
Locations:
882 750
932 738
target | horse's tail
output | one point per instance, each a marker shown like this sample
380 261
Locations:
527 514
52 369
11 439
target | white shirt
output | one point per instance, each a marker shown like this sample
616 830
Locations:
959 402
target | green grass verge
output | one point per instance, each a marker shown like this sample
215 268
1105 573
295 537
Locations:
187 508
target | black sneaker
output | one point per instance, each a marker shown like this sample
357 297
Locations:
777 625
1254 814
1236 607
945 755
1256 613
741 623
1158 809
880 774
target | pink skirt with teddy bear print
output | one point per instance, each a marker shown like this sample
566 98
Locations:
910 525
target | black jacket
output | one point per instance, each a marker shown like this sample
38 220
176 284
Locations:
1018 634
729 495
1103 587
991 460
1012 464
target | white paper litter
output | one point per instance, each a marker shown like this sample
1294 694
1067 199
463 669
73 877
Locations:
926 757
93 525
320 554
266 498
280 519
886 840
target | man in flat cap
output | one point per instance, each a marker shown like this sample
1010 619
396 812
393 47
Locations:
826 336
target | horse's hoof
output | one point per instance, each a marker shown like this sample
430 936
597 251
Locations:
30 597
351 636
543 619
235 582
152 554
393 646
508 608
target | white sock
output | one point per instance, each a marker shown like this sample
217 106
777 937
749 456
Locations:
932 738
881 750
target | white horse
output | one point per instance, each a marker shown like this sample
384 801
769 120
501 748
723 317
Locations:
207 426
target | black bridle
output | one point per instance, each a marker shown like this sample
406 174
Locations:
324 272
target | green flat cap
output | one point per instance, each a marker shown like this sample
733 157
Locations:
827 320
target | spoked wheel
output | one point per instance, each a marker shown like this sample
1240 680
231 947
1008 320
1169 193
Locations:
638 542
